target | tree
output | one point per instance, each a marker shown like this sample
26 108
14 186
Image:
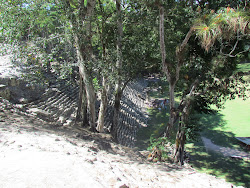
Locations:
84 33
41 32
80 15
209 29
136 47
105 21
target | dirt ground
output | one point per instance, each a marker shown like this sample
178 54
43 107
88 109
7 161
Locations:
36 154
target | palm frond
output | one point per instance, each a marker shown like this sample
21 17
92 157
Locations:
223 24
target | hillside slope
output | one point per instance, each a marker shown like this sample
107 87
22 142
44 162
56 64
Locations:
35 154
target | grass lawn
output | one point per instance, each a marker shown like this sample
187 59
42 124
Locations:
235 171
222 128
237 117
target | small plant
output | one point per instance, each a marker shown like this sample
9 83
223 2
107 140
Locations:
160 149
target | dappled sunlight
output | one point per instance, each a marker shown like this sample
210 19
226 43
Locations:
214 127
234 170
210 158
157 122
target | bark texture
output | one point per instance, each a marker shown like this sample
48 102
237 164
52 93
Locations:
81 21
103 106
118 86
180 143
171 69
183 114
82 105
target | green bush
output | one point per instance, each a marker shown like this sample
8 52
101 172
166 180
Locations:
163 145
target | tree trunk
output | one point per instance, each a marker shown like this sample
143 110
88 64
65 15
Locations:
172 110
186 105
82 105
118 87
171 70
103 106
118 96
180 143
90 93
82 30
166 67
87 80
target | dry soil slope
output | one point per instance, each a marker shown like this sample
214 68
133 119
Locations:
34 155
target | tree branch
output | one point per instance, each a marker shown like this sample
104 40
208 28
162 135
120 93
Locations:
233 49
185 41
161 31
165 63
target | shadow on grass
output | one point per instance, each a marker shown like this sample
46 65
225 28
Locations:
213 126
235 171
156 125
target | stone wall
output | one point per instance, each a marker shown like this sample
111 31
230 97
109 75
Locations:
57 102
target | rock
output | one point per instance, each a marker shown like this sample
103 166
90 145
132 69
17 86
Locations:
5 92
61 119
20 106
124 186
93 149
77 135
23 100
37 111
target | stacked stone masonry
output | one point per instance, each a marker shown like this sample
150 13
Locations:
58 103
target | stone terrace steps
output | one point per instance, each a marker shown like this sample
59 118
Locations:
59 104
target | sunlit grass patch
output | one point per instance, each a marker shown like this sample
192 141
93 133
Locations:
244 67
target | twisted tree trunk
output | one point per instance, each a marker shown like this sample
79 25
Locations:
184 111
180 142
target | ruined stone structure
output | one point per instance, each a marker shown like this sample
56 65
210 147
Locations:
58 104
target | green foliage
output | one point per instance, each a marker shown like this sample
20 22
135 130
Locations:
95 83
220 25
85 3
39 35
243 67
193 128
140 41
162 144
